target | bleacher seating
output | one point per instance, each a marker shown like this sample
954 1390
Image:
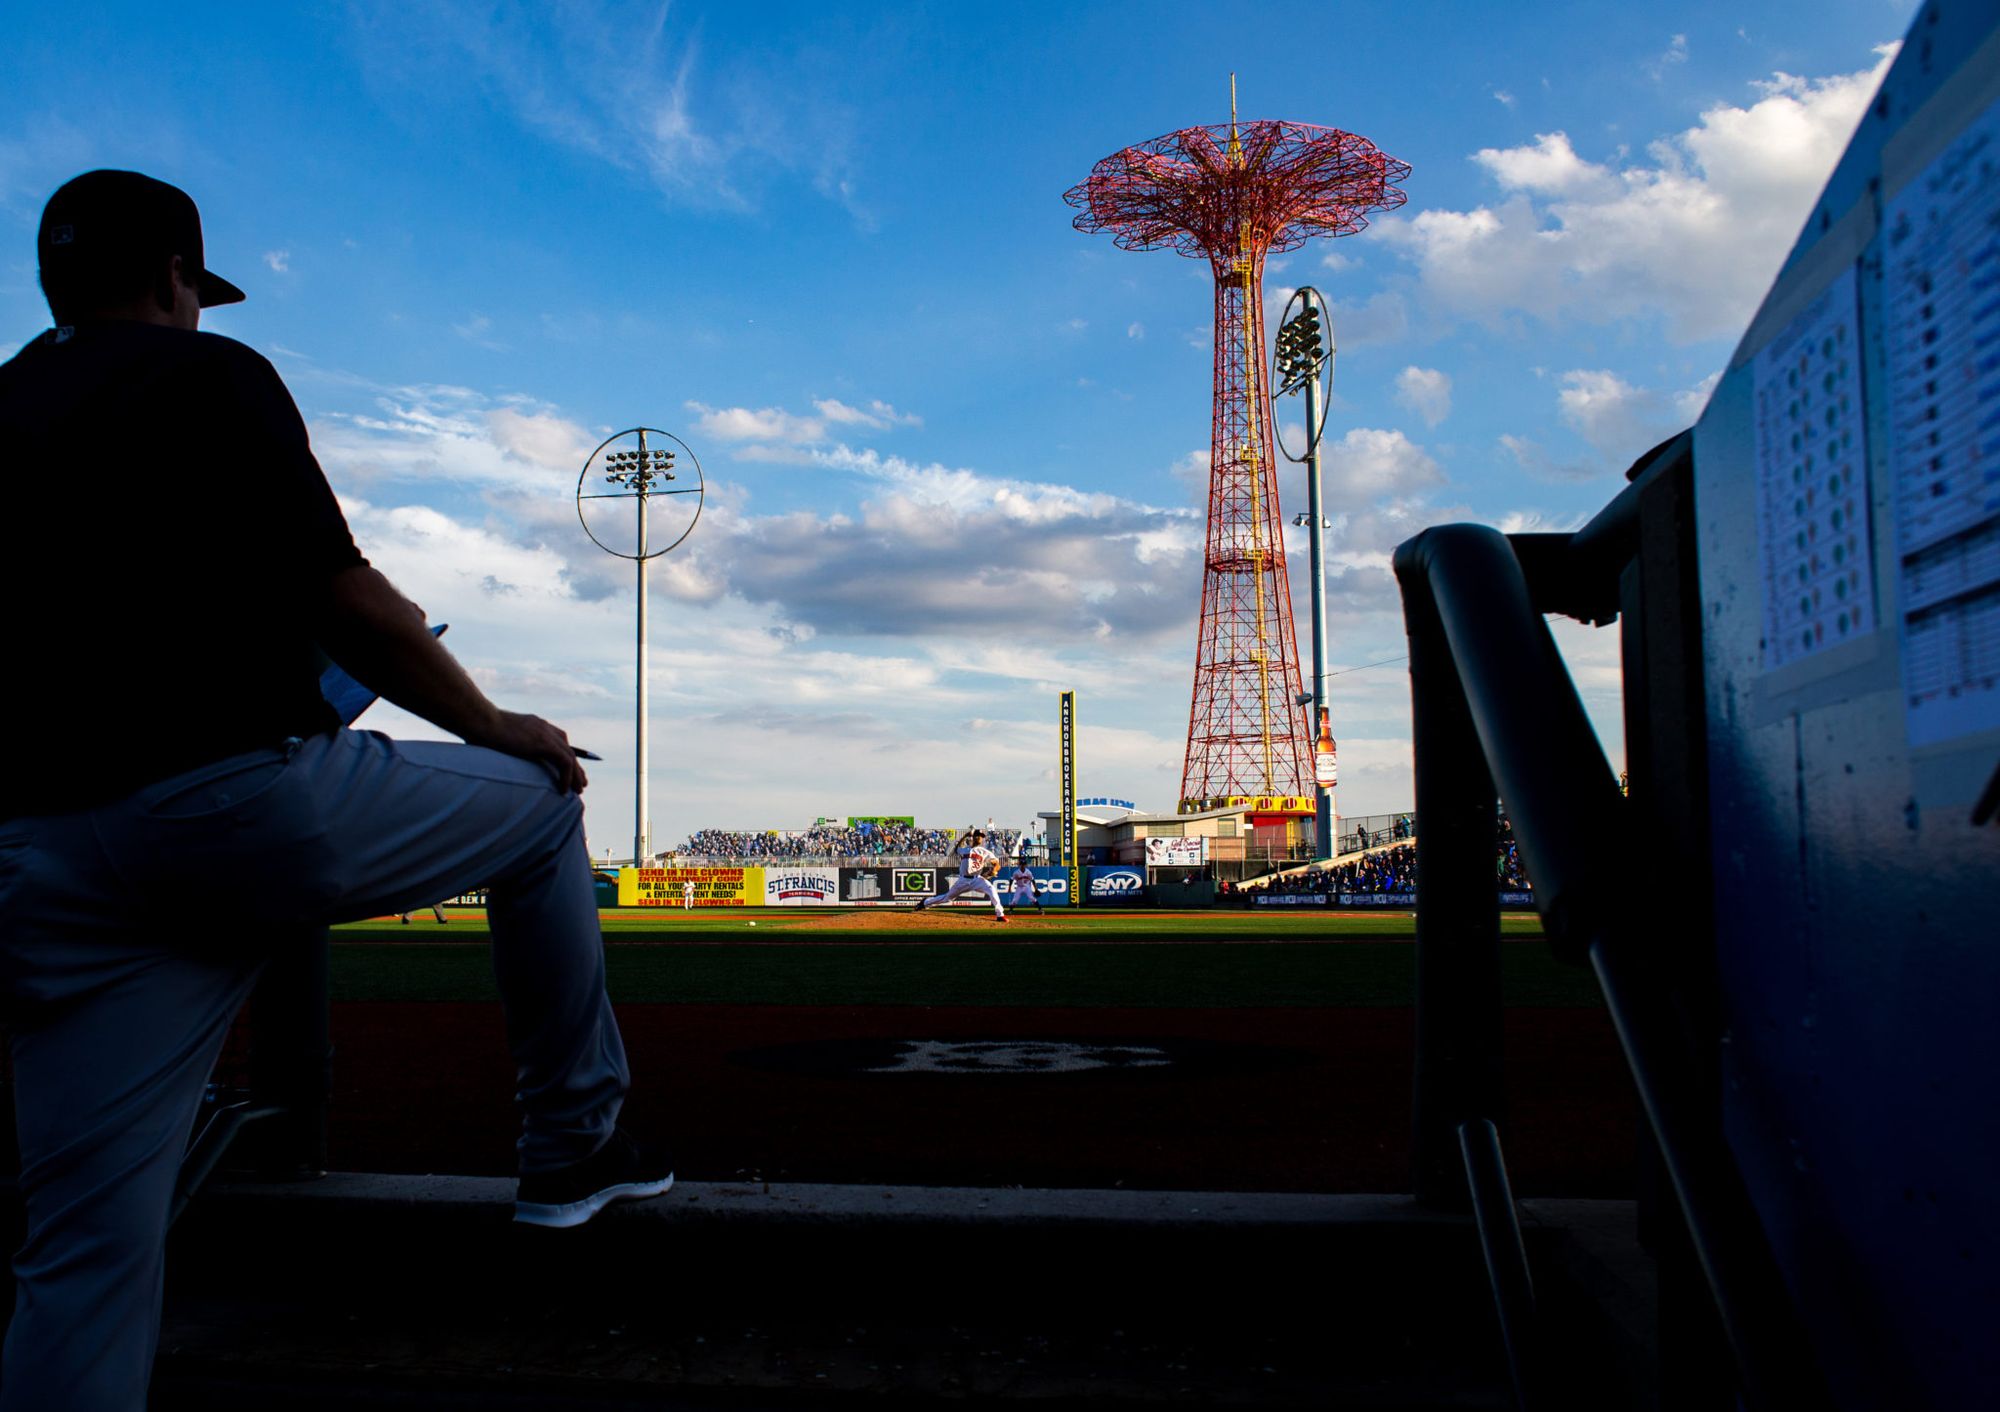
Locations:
858 845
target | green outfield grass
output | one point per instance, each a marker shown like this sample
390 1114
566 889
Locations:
1280 961
672 924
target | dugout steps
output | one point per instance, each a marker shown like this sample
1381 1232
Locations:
369 1290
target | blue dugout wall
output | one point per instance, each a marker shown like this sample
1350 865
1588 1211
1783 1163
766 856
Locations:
1847 474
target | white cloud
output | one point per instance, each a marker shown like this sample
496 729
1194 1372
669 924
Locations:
759 424
1384 317
1425 391
540 438
436 436
1370 464
779 437
1621 421
886 618
1503 98
1135 329
1690 403
1191 471
280 261
1605 410
475 330
1676 52
878 415
1548 168
1691 234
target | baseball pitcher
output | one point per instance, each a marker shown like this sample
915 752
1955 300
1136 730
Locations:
976 863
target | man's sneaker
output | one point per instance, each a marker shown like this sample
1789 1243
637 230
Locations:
1001 918
620 1170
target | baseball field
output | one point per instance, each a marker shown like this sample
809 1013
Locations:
1223 1050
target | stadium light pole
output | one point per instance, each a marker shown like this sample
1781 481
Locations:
1303 363
639 476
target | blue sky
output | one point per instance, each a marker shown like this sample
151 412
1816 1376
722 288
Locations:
954 447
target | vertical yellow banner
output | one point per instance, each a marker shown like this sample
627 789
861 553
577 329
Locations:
1066 857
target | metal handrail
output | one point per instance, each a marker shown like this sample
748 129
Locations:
1506 1254
1486 679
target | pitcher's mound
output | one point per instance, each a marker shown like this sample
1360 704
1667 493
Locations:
896 919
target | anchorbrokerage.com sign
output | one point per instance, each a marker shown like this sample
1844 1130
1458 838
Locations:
713 887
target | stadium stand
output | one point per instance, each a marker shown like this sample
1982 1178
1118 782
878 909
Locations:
857 845
1389 870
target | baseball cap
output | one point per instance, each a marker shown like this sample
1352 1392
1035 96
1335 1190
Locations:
105 219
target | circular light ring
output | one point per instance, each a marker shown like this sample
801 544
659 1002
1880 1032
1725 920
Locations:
629 464
1307 298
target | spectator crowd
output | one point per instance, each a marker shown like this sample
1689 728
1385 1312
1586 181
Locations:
1392 871
856 845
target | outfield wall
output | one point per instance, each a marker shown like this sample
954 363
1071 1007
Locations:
1510 901
812 885
823 885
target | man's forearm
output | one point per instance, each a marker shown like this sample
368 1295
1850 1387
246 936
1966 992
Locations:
380 638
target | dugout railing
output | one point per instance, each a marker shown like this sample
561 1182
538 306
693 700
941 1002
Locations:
1495 712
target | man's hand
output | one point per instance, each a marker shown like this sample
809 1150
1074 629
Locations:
532 738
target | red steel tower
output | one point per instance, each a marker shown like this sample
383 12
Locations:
1234 195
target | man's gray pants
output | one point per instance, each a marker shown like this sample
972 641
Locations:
131 934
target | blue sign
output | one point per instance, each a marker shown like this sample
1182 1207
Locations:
1116 884
1051 885
1110 804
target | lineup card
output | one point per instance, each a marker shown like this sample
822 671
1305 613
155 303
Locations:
1942 303
1812 481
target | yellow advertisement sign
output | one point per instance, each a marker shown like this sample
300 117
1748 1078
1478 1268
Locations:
1254 803
713 887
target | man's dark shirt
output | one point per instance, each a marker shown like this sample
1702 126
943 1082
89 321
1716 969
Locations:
165 545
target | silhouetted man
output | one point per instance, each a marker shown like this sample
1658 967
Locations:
181 804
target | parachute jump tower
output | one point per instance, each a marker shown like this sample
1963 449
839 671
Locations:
1234 196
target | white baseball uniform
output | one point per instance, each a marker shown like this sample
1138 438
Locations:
687 895
1024 887
970 861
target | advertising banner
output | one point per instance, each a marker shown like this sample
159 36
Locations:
1516 901
1302 899
1051 886
864 887
914 884
855 821
1116 884
713 887
801 886
1176 852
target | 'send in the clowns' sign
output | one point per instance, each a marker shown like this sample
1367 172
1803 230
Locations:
713 887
